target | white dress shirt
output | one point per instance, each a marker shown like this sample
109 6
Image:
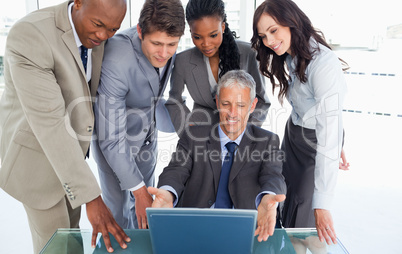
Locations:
79 43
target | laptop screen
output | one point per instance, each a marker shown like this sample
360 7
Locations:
198 230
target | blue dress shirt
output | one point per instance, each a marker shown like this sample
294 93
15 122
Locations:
317 104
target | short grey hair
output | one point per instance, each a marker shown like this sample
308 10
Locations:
239 78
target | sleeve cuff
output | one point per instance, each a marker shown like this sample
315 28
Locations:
140 185
170 188
259 197
322 201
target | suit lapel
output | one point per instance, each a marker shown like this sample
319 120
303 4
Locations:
166 74
243 153
63 23
146 66
68 39
200 73
214 152
97 55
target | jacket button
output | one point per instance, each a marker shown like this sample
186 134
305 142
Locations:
210 202
89 128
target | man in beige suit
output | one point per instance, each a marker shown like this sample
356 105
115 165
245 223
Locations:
46 116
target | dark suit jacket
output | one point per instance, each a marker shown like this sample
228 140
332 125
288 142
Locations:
195 167
191 71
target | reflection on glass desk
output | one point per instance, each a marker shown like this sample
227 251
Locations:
289 241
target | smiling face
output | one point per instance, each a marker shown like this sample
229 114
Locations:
235 106
158 47
207 34
97 20
273 35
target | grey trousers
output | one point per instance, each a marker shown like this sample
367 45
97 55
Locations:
122 202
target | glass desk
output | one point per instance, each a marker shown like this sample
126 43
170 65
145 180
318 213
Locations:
289 241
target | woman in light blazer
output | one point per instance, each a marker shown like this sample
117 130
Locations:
216 52
296 57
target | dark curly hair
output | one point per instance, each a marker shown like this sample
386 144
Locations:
286 13
229 55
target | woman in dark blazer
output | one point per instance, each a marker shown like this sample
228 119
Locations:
216 52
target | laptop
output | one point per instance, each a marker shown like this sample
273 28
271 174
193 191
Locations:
201 230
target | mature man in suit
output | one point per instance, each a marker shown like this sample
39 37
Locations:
197 176
135 70
46 116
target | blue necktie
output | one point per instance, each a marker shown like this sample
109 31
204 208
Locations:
223 199
84 57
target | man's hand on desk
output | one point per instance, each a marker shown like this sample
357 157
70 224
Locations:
163 198
142 200
102 221
266 219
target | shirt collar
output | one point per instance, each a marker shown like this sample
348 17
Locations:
291 62
225 139
77 39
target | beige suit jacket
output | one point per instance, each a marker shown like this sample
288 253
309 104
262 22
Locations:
46 116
